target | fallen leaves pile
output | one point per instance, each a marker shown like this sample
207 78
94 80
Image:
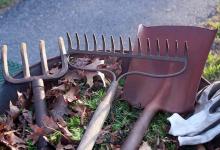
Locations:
71 102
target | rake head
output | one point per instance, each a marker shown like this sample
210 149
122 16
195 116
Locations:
26 71
147 53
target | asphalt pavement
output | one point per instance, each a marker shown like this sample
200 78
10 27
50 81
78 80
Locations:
32 20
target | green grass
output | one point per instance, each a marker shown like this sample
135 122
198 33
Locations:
212 68
30 145
93 102
5 3
73 125
55 137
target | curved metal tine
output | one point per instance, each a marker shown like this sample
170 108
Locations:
167 47
158 47
94 42
44 65
148 46
129 46
24 57
86 43
69 41
139 47
77 42
121 45
112 45
64 59
103 43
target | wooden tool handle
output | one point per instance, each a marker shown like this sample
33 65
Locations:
40 108
98 119
137 133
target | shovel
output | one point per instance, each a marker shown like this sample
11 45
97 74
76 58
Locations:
172 94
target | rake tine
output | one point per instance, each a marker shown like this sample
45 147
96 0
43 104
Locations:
95 43
69 40
86 43
176 45
43 56
103 43
129 46
167 46
186 48
158 46
77 41
25 62
139 47
148 45
121 45
112 45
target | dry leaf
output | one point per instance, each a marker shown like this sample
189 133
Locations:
37 132
71 94
27 116
21 100
59 109
71 76
64 147
50 124
14 140
13 110
61 87
54 70
64 130
145 146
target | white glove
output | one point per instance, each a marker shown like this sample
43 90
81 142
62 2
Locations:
188 129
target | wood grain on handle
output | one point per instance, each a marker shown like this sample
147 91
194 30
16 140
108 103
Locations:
137 133
98 119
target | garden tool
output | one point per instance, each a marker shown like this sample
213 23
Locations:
36 81
101 113
202 126
171 94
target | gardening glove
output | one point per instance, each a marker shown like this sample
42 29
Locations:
201 138
201 120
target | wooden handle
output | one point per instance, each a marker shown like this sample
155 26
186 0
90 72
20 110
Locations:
98 119
137 133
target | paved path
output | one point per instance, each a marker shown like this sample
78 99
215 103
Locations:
32 20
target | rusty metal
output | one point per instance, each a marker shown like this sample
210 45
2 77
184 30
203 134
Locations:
172 94
97 121
37 81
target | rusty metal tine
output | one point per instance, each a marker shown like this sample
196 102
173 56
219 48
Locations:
25 62
77 41
139 47
158 47
94 41
129 45
103 43
176 45
148 46
43 56
69 41
186 48
112 45
121 44
167 47
86 43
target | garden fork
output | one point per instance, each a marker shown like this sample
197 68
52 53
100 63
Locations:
37 81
